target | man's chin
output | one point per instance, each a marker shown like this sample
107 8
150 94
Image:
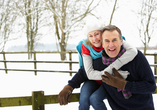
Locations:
111 55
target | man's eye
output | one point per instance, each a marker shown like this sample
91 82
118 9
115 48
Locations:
114 40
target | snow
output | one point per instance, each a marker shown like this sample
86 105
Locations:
22 84
17 83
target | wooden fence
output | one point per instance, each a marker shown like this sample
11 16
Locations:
35 70
38 99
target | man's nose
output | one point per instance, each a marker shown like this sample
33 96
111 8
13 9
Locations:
111 44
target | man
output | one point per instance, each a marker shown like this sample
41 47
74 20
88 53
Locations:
140 83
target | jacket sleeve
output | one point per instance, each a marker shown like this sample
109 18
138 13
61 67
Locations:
81 76
95 74
146 81
78 79
88 65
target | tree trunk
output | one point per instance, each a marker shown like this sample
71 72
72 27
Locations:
63 49
28 50
145 49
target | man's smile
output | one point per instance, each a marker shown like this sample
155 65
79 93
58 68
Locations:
111 50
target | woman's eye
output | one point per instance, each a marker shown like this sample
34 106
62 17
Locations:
97 34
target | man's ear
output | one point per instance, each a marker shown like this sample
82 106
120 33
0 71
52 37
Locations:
121 41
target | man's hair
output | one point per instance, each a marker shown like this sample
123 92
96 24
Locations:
112 28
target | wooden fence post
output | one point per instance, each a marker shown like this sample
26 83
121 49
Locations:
5 64
70 64
155 68
38 100
35 65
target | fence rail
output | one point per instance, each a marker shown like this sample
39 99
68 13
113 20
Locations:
70 62
38 99
35 70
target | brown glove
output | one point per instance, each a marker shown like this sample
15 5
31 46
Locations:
116 73
115 81
65 95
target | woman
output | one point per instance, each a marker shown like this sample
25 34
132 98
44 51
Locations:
92 92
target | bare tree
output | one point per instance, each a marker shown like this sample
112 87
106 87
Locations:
67 16
32 14
6 22
32 20
148 21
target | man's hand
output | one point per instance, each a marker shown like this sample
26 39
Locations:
65 95
115 81
116 73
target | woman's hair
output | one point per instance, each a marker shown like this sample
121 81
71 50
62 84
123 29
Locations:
87 42
112 28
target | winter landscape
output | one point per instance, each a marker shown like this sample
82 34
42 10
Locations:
15 84
18 30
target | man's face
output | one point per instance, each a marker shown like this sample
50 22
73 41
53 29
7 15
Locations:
111 43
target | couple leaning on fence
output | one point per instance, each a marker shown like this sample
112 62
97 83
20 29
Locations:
110 69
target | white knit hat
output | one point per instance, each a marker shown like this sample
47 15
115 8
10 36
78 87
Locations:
92 25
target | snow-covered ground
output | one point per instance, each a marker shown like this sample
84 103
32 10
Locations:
22 84
15 84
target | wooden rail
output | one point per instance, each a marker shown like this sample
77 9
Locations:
37 100
70 62
35 70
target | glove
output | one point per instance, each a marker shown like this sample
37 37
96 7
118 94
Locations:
125 93
65 95
115 81
116 73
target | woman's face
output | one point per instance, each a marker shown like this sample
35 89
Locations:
95 38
